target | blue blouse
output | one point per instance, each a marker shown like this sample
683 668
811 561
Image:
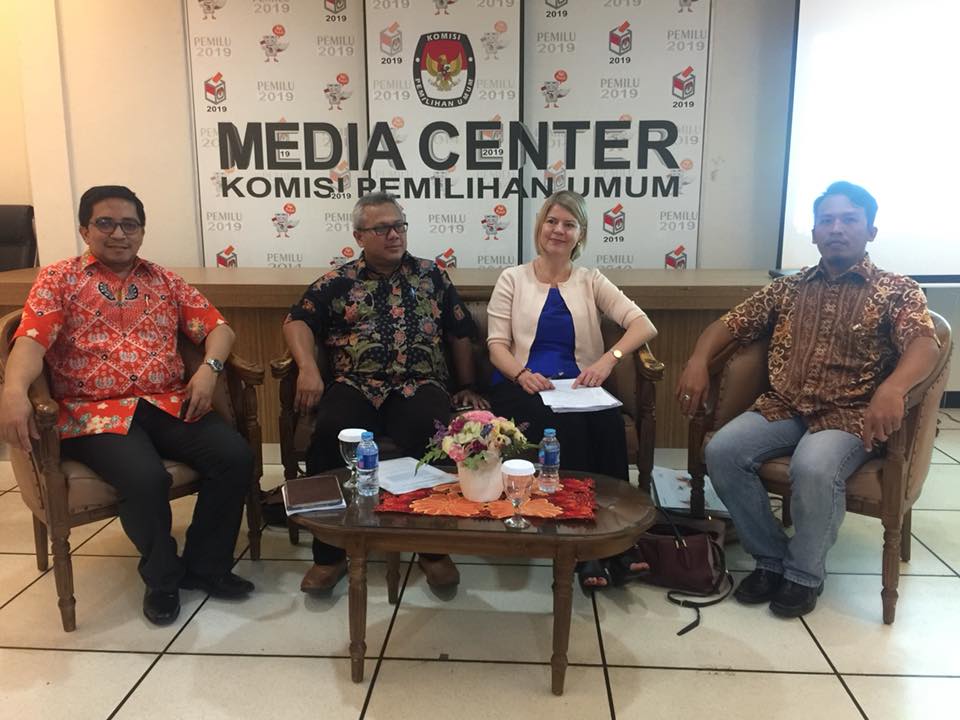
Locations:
551 354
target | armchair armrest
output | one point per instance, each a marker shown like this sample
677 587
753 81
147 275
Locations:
249 372
648 367
281 366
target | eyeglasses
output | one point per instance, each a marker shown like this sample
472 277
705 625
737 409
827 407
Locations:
381 230
108 225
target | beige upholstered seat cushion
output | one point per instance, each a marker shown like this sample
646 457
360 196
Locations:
88 491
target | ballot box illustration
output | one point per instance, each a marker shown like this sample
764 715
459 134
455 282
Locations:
335 6
621 39
676 259
684 83
391 40
446 259
215 89
556 175
341 172
614 221
227 257
556 4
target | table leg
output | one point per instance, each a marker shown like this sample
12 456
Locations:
358 613
393 577
562 609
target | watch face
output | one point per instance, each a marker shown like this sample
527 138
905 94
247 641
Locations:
617 354
215 364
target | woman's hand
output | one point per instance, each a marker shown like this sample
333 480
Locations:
596 374
533 382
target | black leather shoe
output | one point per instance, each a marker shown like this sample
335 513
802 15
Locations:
226 585
793 600
760 586
160 607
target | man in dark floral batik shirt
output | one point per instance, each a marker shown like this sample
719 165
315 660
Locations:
387 320
847 342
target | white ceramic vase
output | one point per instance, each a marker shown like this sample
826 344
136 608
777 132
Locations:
484 484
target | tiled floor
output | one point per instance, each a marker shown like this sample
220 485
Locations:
485 653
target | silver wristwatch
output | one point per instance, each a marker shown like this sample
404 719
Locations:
214 364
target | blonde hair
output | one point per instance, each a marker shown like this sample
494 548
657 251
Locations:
574 204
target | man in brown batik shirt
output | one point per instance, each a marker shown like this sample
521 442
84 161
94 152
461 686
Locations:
847 342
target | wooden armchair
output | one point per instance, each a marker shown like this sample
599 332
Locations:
884 487
632 382
64 494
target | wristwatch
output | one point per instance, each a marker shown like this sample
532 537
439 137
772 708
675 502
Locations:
214 364
618 354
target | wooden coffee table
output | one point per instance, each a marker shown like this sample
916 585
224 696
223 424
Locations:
623 513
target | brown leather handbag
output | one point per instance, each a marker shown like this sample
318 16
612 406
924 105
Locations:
686 556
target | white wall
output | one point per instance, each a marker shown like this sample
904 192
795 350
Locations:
15 178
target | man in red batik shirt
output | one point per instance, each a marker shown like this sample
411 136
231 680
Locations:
107 324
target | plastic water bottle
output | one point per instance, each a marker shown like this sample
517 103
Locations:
368 459
549 461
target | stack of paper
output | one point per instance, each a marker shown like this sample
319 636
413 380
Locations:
564 398
401 476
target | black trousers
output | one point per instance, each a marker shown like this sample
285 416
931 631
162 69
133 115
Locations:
132 464
409 421
589 441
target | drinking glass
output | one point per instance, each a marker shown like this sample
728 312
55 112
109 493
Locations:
517 483
349 439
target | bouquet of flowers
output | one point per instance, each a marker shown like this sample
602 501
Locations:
475 437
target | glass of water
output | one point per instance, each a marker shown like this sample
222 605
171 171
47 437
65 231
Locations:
349 439
517 483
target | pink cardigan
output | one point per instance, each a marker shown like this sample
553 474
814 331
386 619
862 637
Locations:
518 298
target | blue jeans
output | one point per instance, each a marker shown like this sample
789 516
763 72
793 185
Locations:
819 469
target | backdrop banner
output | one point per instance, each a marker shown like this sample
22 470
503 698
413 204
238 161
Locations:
469 111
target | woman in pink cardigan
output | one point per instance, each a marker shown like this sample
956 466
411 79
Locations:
544 322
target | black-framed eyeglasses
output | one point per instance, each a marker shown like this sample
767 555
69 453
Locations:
108 225
381 230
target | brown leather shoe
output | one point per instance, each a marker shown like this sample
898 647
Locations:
440 573
320 578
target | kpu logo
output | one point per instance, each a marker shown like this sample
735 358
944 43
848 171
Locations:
552 89
283 222
210 7
621 39
684 83
443 5
556 176
215 89
335 6
446 260
271 43
444 69
391 40
341 176
494 223
614 220
556 4
337 92
227 257
494 42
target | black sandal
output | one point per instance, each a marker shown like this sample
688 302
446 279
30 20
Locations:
619 566
593 570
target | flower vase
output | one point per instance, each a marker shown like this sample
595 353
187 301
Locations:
484 484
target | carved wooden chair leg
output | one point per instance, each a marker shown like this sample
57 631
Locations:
254 522
697 500
63 575
905 536
40 542
891 570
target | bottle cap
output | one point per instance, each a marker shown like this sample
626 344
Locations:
549 432
366 435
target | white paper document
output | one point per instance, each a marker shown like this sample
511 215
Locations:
673 492
397 476
564 398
